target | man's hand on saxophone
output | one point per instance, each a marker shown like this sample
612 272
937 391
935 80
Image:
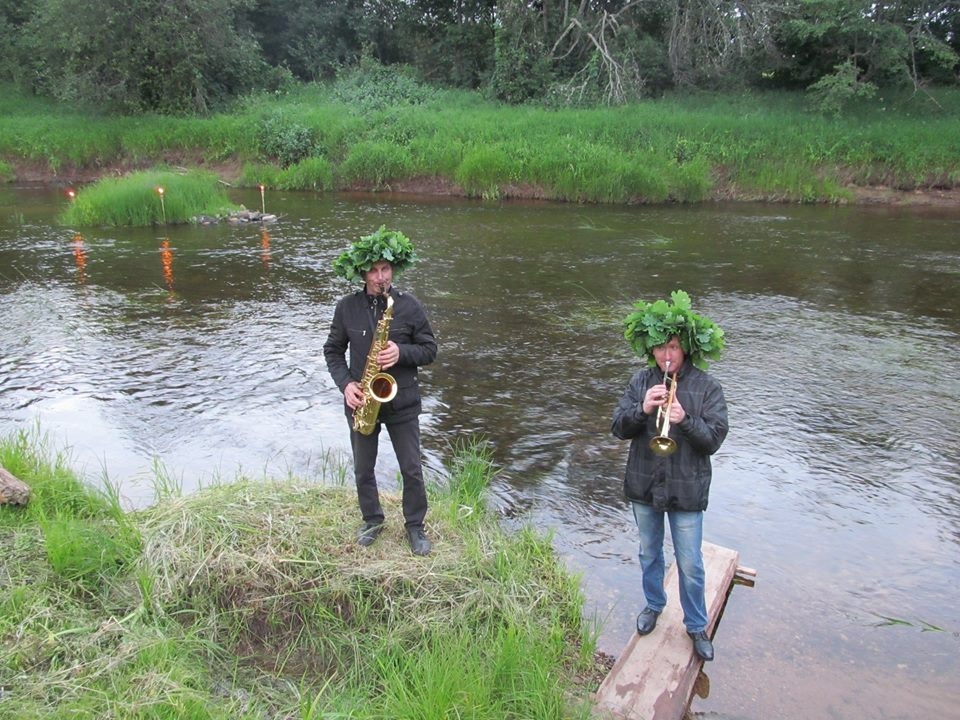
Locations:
389 356
353 395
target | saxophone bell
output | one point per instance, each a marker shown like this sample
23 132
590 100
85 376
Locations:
382 387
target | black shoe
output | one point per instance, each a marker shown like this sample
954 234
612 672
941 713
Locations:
647 621
702 645
419 543
368 533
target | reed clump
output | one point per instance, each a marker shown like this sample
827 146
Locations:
251 599
155 197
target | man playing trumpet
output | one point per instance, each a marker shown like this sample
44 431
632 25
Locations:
675 416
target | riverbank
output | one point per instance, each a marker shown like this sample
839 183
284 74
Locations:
231 173
252 599
677 149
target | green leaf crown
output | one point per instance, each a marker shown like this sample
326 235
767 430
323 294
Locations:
390 245
653 324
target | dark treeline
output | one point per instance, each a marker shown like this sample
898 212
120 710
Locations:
190 56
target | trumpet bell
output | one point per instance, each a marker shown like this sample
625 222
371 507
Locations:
383 387
663 445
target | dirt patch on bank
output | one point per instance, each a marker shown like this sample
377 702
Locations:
230 171
890 196
37 173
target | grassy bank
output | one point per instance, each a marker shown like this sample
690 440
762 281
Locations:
349 136
251 600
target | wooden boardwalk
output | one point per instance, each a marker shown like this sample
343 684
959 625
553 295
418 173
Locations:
653 679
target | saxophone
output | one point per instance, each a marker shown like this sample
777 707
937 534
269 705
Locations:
378 387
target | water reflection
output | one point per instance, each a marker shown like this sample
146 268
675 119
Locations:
838 482
80 256
264 246
166 261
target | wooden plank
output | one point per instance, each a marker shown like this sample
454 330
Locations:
654 676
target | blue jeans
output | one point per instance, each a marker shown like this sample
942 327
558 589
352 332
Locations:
686 529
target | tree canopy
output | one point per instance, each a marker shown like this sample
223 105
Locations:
186 56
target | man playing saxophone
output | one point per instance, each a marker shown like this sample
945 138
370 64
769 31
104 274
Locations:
388 337
675 416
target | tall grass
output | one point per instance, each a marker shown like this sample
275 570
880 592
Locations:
251 599
678 148
148 198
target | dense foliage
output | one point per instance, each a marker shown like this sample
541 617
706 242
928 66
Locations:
147 55
390 245
652 324
185 57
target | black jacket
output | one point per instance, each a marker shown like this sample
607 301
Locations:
680 481
354 323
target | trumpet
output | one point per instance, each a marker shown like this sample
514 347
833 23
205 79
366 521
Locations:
662 443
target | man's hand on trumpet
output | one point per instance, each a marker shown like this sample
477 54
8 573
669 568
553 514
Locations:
656 397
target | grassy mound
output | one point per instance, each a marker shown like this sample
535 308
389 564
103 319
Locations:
148 198
252 600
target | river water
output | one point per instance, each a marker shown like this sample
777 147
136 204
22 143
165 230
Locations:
198 350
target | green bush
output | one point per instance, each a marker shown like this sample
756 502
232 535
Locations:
832 93
373 87
691 181
283 140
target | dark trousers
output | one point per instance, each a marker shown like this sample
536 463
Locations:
405 437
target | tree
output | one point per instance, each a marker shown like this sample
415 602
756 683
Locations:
312 39
521 64
450 43
885 44
171 56
14 15
607 52
180 56
614 54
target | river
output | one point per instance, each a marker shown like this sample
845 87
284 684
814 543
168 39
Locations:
198 350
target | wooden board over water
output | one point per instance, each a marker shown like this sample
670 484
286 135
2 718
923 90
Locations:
654 676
